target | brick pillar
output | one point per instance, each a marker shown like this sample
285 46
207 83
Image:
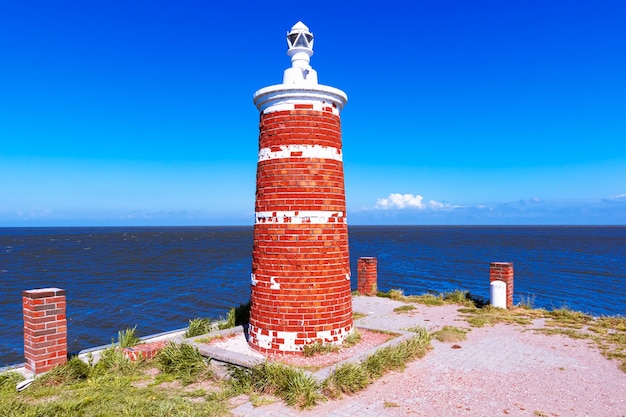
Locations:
367 276
45 329
300 291
503 271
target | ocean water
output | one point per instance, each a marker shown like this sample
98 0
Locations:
158 278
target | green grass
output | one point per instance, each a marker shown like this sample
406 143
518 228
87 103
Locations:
294 386
353 377
78 389
8 382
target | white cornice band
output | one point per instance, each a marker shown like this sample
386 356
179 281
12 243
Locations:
285 97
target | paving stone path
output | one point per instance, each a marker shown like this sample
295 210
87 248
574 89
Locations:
504 370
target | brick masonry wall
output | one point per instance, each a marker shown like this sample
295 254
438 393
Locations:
503 271
45 329
367 276
300 265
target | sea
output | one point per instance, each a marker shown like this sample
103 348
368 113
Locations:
158 278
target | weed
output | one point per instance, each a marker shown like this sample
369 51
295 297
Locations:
422 333
395 294
209 339
527 302
318 348
571 318
352 339
450 334
426 299
459 297
260 400
390 404
356 315
404 308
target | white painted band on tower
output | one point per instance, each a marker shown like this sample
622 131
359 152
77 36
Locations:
301 151
300 217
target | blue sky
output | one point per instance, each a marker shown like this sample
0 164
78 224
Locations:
482 112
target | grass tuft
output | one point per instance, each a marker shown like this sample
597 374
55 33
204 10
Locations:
403 309
113 360
199 326
352 339
8 381
427 299
236 316
71 372
350 377
184 362
294 386
127 338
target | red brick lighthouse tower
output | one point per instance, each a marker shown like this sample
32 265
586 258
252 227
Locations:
300 260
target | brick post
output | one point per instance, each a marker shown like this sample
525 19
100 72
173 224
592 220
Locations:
300 292
45 329
367 276
503 271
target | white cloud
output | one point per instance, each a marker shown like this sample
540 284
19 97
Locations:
407 201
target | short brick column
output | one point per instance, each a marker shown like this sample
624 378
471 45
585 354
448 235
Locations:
503 271
367 276
45 329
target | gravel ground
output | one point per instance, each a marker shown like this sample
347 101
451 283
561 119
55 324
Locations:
237 343
501 370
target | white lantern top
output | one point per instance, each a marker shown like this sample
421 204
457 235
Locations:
300 42
300 81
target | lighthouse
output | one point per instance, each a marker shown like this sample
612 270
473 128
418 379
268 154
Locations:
300 280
